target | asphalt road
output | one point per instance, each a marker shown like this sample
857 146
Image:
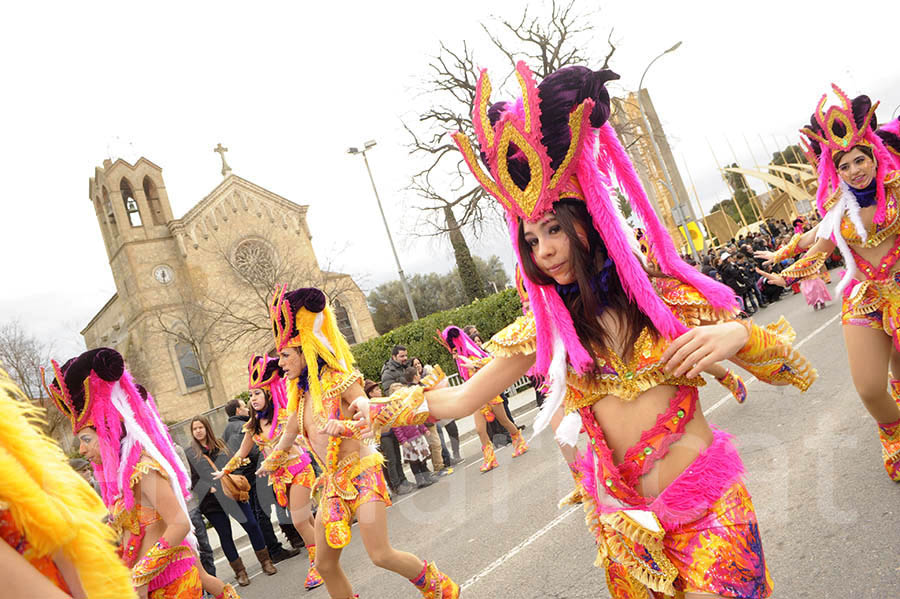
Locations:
829 515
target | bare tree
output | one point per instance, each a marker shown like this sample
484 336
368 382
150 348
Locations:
22 356
451 199
257 270
191 323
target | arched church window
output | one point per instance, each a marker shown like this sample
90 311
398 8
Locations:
255 261
131 206
189 365
110 214
343 322
152 195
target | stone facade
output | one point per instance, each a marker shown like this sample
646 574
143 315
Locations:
190 305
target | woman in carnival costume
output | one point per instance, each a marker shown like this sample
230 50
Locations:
859 200
53 543
294 479
142 481
321 384
470 357
623 351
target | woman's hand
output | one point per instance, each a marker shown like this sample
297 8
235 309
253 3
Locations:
264 470
703 346
769 257
334 428
772 278
359 410
218 474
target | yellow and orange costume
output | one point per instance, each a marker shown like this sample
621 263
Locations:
700 534
303 319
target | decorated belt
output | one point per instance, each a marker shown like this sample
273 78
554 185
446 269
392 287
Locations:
875 294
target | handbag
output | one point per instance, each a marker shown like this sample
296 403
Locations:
235 486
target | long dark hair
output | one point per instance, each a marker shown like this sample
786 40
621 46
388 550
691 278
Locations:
588 262
253 424
213 444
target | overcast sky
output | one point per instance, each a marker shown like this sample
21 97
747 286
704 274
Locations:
287 87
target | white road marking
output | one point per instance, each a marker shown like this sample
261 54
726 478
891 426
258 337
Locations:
753 379
512 552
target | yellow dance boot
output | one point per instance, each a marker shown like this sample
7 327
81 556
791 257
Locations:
490 460
519 444
228 593
890 439
434 584
313 578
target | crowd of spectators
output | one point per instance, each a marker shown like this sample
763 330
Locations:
734 263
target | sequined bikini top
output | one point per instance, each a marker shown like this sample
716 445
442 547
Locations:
262 439
877 233
616 376
140 516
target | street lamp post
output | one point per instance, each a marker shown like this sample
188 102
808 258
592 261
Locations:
679 209
366 147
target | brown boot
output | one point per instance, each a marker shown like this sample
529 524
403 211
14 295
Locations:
240 572
266 562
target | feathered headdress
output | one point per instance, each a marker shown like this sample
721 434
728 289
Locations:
554 143
302 318
840 128
56 509
265 373
95 390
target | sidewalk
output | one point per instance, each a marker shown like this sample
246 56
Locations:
518 404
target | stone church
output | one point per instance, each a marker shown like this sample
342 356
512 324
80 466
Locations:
191 293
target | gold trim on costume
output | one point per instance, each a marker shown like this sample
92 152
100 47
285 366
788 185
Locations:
519 337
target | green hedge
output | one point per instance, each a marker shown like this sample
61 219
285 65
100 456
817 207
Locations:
489 315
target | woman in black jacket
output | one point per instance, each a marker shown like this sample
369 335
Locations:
216 506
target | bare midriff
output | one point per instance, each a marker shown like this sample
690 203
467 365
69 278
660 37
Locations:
623 422
318 439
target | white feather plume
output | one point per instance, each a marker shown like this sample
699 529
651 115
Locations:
568 429
556 374
830 228
135 434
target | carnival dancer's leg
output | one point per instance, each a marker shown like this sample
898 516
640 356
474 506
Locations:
519 444
487 448
424 575
869 352
216 587
328 562
301 514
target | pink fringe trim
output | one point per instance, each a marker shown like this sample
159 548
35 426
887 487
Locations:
173 572
701 484
689 496
612 153
278 391
630 271
300 466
